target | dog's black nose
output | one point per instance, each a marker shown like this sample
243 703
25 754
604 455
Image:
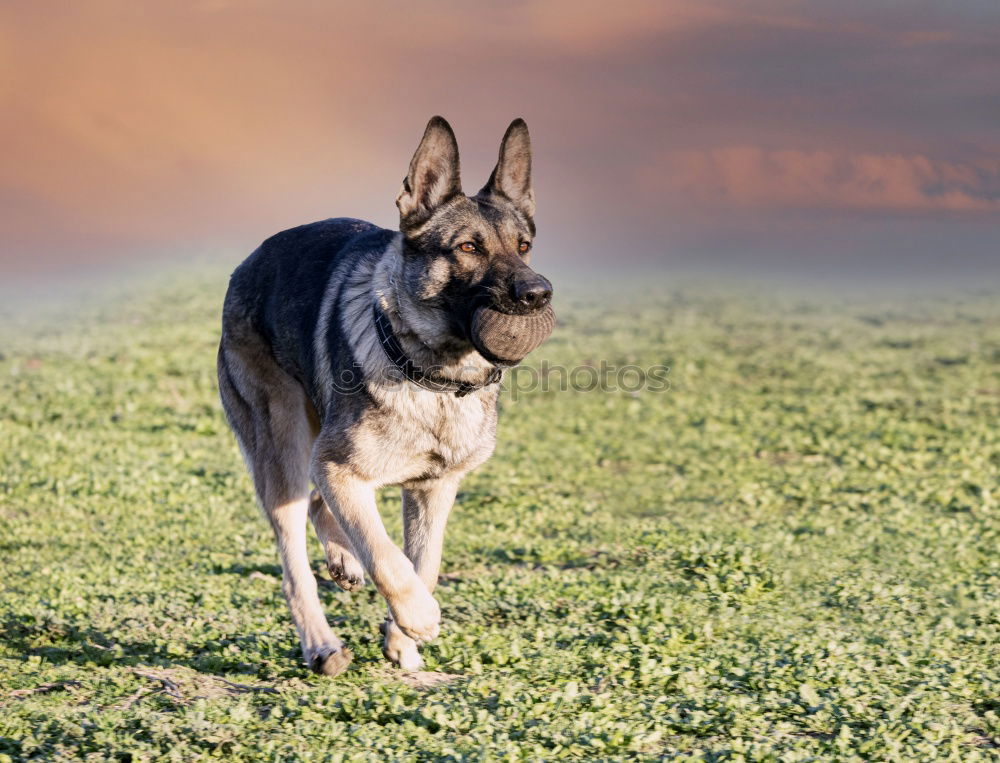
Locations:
532 292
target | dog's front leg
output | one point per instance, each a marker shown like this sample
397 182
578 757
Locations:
353 500
426 507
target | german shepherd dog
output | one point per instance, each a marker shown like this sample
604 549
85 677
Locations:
349 359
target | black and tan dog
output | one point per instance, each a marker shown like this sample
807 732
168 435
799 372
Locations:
355 357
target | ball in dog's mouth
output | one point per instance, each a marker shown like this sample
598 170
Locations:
507 339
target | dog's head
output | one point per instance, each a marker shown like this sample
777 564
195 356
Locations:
469 255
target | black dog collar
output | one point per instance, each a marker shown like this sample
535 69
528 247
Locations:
394 351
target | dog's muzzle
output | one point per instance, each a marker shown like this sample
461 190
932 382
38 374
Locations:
507 339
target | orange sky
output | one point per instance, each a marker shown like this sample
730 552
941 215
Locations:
745 133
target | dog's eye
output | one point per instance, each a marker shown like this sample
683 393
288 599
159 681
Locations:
524 248
468 247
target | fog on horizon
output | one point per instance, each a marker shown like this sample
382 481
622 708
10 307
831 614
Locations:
843 138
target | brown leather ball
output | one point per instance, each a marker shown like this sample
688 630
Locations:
509 338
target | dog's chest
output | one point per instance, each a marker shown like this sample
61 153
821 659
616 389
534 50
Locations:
416 434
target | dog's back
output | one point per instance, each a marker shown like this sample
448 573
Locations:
278 291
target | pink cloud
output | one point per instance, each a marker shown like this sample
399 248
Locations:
747 176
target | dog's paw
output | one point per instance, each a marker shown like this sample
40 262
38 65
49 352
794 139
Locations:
417 613
330 659
399 648
345 570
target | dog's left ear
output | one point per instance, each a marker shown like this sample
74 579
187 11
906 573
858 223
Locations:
512 175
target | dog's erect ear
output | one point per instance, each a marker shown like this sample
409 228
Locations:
512 175
433 177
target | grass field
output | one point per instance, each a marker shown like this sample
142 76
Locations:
790 554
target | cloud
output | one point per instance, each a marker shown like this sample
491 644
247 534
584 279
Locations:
747 176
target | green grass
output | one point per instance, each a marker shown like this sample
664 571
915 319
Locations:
791 554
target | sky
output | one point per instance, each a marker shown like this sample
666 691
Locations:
834 138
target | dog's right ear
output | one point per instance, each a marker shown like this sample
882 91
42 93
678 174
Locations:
433 177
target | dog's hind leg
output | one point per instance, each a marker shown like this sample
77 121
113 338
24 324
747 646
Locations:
344 567
426 507
270 415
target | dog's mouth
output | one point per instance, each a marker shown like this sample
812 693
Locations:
506 338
